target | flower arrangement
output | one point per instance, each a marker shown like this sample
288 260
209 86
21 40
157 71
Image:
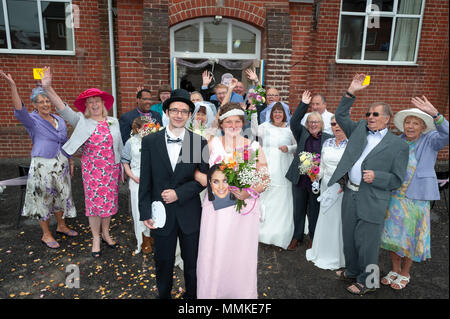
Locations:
309 165
241 173
256 97
149 128
198 128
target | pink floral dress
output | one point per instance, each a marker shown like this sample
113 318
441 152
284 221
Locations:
100 174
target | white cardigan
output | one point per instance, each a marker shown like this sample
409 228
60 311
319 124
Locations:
84 128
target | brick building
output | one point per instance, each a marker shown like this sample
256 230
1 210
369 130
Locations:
295 45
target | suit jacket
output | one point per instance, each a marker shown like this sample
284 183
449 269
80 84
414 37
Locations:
127 119
388 160
301 134
157 175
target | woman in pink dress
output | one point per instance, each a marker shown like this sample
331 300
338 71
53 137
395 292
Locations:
228 247
98 137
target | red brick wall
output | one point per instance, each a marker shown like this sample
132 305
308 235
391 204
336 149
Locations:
71 74
314 52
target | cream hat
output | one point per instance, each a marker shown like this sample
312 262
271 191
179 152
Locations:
400 117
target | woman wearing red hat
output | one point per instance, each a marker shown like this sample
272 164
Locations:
98 136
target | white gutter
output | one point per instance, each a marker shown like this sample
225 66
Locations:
111 55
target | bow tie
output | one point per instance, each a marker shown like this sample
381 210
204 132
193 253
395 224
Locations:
170 140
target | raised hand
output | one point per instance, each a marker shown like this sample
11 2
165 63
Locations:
207 78
8 78
251 75
139 88
46 77
306 97
357 83
233 83
424 105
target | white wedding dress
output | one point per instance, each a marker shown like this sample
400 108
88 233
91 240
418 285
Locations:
327 251
277 226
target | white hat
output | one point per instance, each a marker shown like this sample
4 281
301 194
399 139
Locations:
400 117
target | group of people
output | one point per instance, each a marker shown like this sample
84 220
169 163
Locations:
375 187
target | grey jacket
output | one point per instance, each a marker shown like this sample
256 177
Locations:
84 127
388 160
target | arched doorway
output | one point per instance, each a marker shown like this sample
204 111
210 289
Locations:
218 45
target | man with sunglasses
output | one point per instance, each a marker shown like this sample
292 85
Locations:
169 159
373 164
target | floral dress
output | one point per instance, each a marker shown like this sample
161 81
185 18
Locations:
100 174
407 224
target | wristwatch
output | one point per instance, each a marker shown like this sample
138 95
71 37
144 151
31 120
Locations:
349 94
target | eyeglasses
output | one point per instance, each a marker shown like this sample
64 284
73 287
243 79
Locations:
314 122
375 114
333 123
272 95
177 111
43 102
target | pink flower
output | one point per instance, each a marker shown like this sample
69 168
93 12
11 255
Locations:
102 191
99 163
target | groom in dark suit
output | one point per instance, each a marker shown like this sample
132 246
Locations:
373 164
169 160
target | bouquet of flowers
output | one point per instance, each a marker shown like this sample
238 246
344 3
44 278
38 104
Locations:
198 128
241 173
309 165
256 97
149 128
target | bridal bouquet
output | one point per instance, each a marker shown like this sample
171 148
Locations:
198 128
256 97
309 165
149 128
241 173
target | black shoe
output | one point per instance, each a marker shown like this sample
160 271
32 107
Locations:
114 246
96 254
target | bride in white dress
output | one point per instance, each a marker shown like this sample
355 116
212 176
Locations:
278 144
327 251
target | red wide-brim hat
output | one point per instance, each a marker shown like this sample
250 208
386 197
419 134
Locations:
80 102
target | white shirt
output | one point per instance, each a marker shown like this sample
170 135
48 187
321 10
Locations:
173 149
373 138
326 117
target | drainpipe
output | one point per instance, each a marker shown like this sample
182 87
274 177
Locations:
111 55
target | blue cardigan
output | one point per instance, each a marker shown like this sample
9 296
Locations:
424 185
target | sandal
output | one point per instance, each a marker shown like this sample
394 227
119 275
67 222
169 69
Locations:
51 244
342 276
69 233
399 283
362 290
389 278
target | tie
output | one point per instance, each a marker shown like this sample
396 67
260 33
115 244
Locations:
170 140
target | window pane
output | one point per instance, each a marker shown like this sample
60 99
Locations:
354 5
186 39
3 43
56 35
409 6
382 5
350 39
405 37
378 40
215 37
24 24
244 41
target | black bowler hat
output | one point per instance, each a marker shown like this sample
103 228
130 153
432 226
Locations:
179 95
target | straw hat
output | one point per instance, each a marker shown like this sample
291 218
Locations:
400 117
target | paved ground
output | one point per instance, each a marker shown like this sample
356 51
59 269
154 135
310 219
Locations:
30 270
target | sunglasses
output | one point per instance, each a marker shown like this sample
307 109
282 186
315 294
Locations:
375 114
333 123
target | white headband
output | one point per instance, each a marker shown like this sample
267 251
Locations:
231 113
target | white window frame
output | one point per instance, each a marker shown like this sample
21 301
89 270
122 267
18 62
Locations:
367 15
43 51
207 55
